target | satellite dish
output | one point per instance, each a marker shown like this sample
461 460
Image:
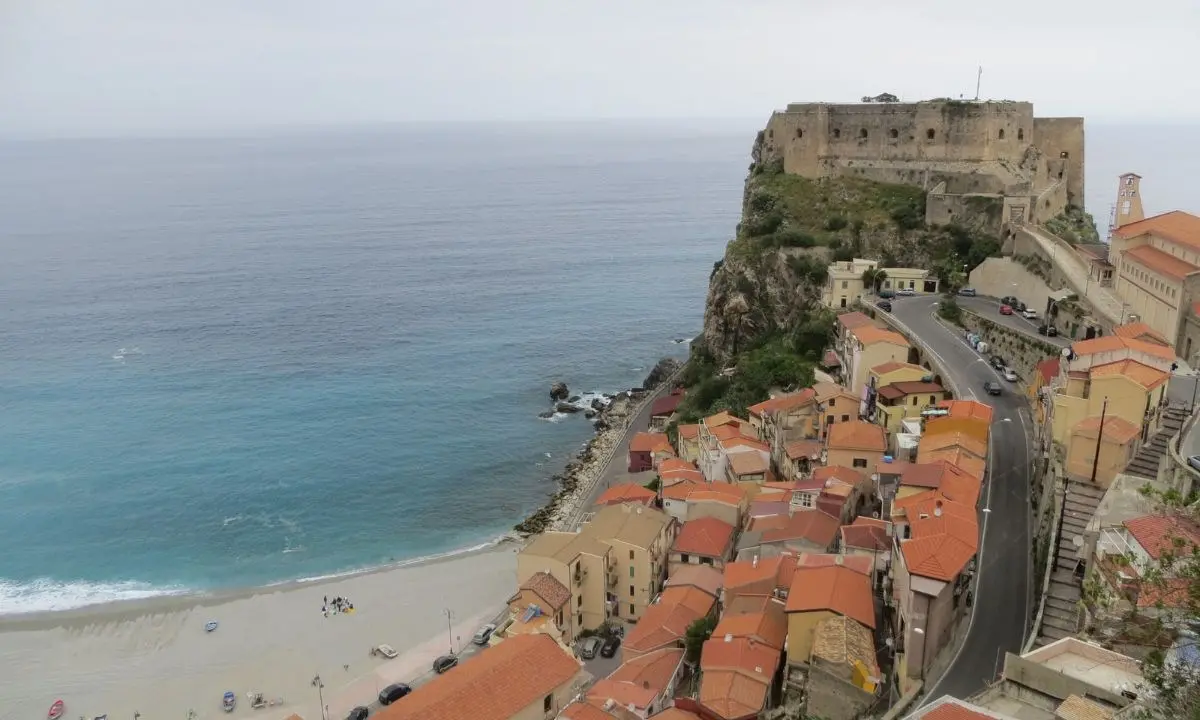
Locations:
1066 352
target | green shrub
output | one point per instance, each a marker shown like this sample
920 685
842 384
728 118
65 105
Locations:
835 223
806 267
790 238
760 225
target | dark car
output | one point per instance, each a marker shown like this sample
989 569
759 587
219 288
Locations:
1051 331
358 713
444 663
609 648
887 294
992 387
884 305
392 693
1013 302
967 292
998 362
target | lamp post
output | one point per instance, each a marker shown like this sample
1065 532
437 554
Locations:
924 649
449 630
321 695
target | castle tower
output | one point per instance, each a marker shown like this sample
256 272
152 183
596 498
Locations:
1129 202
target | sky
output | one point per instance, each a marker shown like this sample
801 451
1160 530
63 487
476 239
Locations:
100 67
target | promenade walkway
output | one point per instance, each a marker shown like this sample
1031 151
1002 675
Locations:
1064 257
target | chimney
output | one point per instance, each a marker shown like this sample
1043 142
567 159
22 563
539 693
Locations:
645 684
758 670
728 637
937 509
754 562
609 704
838 559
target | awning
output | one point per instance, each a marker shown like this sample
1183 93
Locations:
907 441
831 360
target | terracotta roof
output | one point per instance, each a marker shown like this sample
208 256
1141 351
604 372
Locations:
703 577
748 463
1115 343
666 405
1140 331
928 475
650 442
831 505
682 477
1140 373
855 319
1077 707
630 524
722 418
1159 533
743 441
875 335
732 694
681 488
865 537
814 526
639 681
837 589
893 366
843 642
839 473
856 435
783 402
944 539
580 710
909 387
673 464
768 626
827 390
706 536
626 492
666 622
1177 226
891 466
803 449
1116 429
951 708
969 409
721 492
1048 369
830 359
689 432
925 503
858 563
674 713
773 508
551 591
957 456
942 441
722 653
1160 262
495 685
759 577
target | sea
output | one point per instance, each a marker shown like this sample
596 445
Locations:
227 362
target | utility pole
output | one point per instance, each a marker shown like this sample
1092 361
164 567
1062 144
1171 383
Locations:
1099 437
449 630
978 81
320 695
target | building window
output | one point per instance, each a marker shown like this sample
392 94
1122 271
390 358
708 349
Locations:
683 558
932 399
832 402
860 462
547 703
929 134
1001 133
805 500
828 419
894 133
1020 133
863 133
845 284
845 418
630 591
579 620
709 561
632 612
837 133
914 401
579 602
630 557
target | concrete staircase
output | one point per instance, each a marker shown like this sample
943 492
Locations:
1145 463
1066 579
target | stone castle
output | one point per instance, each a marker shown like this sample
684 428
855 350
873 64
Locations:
974 158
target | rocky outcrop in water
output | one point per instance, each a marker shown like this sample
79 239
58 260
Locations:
661 371
559 391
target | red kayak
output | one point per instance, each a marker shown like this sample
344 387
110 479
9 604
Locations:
56 710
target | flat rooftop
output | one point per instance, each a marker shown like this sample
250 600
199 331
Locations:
1089 663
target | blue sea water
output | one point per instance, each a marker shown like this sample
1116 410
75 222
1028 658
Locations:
231 362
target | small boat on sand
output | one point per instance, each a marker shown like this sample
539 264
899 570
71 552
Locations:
210 626
56 710
229 702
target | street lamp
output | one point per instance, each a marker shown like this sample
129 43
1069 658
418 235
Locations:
924 649
321 695
449 630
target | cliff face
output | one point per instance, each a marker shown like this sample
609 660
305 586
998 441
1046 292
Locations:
773 273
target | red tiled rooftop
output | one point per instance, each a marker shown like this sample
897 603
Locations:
690 431
666 405
626 492
783 402
1177 226
897 390
1140 331
1160 262
707 537
1161 533
814 526
1115 343
865 537
638 681
837 589
856 319
803 449
650 442
1116 429
1048 369
748 463
968 409
856 435
858 563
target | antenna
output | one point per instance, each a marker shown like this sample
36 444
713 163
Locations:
978 81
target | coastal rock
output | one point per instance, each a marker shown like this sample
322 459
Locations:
559 391
589 413
566 407
573 399
546 415
662 370
598 404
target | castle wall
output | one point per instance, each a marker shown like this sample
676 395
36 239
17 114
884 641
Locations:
1058 135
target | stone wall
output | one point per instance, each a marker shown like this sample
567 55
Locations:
1020 351
832 698
1056 136
983 212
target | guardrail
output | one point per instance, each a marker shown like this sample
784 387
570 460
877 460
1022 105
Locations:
1182 476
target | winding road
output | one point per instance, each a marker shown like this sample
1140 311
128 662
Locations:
1003 599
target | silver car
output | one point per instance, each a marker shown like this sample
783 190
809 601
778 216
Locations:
484 634
589 647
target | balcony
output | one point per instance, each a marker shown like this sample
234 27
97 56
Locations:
580 574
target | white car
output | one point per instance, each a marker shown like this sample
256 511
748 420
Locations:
387 651
1029 314
1009 375
484 634
906 292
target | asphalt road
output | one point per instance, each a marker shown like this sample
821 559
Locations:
989 308
1003 599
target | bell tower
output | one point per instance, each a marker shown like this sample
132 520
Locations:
1129 203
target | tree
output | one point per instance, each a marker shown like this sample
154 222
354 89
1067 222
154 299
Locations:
873 277
697 634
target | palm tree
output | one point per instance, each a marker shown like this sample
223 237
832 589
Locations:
873 277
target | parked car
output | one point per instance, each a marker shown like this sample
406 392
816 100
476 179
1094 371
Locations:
1009 374
1052 331
967 292
992 387
387 651
887 294
998 362
1194 461
609 648
483 634
392 693
444 663
906 292
1006 310
589 647
884 305
1029 314
358 713
1013 302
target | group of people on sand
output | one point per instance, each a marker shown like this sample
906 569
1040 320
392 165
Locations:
339 605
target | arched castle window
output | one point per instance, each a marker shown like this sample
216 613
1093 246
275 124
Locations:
1020 133
837 133
799 132
1001 133
894 133
929 134
862 133
1064 154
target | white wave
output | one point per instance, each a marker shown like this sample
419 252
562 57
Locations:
499 540
45 595
122 353
548 455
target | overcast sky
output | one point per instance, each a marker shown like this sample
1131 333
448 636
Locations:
130 66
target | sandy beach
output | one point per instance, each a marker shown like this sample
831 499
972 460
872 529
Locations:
154 657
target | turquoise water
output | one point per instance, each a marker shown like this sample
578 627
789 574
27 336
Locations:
235 362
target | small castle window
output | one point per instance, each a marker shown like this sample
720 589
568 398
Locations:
894 133
1020 133
1001 133
837 133
862 133
1064 154
799 133
929 134
771 134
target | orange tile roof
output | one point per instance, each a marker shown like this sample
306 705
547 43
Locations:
672 464
768 626
865 537
854 319
1140 331
1139 373
626 492
929 475
783 402
690 431
1160 262
905 388
704 577
1048 369
970 409
731 695
650 442
875 335
639 681
892 366
837 589
494 685
975 427
674 713
708 537
680 488
951 708
731 653
719 492
743 441
580 710
803 449
722 418
943 441
1160 533
856 435
677 477
1177 226
748 577
839 474
811 525
857 563
666 622
1116 429
960 458
944 539
748 463
549 589
1115 343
